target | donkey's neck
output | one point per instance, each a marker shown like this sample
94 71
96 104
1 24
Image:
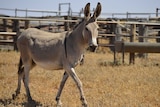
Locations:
76 44
78 37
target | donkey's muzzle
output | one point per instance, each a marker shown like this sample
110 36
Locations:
92 48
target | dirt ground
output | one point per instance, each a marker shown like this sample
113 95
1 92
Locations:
104 84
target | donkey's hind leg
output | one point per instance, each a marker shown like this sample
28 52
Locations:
20 76
28 65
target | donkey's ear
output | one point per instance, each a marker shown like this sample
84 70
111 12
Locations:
97 10
87 10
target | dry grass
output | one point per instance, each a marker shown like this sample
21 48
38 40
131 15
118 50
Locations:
104 85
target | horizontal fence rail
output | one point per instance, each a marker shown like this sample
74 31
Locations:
70 13
62 20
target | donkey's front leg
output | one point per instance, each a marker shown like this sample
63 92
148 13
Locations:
79 85
65 77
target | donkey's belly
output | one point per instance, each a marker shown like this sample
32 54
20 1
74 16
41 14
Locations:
48 57
47 60
49 65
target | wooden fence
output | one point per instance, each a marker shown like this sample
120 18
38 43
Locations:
69 12
115 31
12 26
139 43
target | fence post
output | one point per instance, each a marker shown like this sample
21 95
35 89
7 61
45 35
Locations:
16 28
145 39
26 24
132 34
158 39
127 16
112 30
16 12
26 13
157 12
118 33
5 27
66 24
142 32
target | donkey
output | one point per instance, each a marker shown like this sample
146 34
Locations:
56 51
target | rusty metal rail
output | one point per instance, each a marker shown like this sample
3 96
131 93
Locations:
140 47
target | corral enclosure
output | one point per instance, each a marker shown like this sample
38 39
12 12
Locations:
111 29
105 84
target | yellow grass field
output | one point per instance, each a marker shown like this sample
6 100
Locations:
104 84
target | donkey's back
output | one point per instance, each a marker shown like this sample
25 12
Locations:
43 48
33 33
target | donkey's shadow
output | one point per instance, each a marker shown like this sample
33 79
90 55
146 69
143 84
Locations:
33 103
5 102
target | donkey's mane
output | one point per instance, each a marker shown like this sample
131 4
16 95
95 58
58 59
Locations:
78 24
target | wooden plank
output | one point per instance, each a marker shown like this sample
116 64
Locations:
121 24
9 41
106 45
6 42
150 37
58 20
112 35
8 33
37 19
124 22
101 35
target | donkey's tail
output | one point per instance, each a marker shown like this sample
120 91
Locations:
20 71
20 66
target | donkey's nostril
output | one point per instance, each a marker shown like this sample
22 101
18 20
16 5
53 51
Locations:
92 48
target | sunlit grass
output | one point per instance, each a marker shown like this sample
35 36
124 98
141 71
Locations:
104 84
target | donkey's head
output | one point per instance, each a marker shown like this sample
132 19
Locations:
90 31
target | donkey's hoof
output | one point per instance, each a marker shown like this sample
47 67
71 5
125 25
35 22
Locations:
14 96
17 92
84 105
59 104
